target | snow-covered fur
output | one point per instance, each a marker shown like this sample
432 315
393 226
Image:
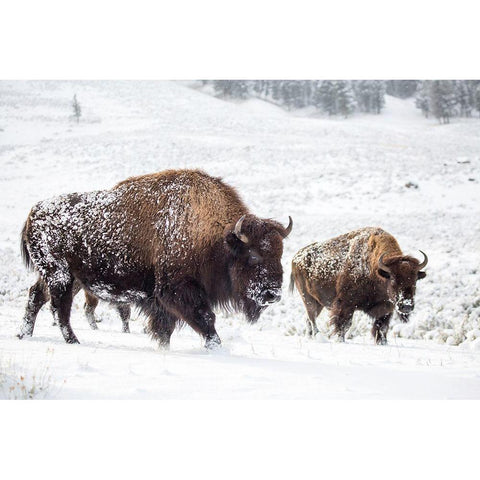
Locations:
176 243
361 270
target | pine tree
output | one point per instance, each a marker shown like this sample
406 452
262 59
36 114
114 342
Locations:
239 89
477 98
462 97
325 97
422 98
402 88
345 98
77 110
377 89
442 99
222 88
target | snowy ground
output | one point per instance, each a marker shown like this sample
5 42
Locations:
331 175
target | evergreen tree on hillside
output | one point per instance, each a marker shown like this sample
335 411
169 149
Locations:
276 89
325 97
222 88
377 95
345 98
77 110
370 95
239 89
422 98
463 98
477 98
442 99
292 93
401 88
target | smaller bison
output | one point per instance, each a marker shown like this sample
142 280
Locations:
91 302
361 270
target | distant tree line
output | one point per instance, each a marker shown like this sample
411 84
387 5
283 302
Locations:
442 99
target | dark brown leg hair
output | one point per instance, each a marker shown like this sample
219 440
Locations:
37 297
61 298
124 312
187 300
380 329
160 323
341 318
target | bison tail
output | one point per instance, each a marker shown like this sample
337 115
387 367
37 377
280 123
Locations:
24 250
291 287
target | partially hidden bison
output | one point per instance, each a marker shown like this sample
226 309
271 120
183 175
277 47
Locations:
361 270
91 302
176 244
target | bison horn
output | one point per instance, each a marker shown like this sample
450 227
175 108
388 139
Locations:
425 261
289 228
381 264
238 230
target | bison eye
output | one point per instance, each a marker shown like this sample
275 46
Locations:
254 258
383 273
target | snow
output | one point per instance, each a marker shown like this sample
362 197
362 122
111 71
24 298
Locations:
331 175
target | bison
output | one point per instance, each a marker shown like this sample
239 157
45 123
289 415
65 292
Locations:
91 302
176 244
361 270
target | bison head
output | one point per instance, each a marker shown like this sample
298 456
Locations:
255 249
400 274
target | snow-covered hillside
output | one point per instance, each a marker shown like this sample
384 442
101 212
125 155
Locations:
414 178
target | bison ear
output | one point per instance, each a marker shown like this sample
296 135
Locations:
383 273
421 275
234 244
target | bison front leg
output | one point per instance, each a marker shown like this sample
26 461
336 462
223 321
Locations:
341 318
187 300
380 329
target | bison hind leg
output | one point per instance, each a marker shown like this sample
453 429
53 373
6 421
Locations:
37 297
313 308
61 298
91 302
124 312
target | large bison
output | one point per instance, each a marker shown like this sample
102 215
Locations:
176 243
361 270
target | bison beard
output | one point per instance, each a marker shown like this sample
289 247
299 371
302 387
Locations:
176 243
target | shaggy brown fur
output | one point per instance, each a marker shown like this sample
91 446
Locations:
361 270
165 242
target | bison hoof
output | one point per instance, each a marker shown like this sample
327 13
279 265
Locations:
381 341
72 340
